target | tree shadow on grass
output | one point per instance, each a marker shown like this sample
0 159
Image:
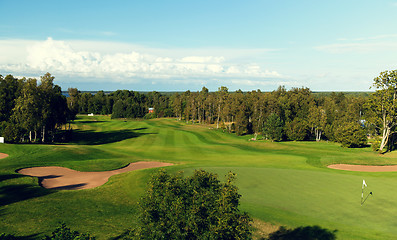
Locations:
89 137
90 121
124 235
303 233
5 236
19 192
4 177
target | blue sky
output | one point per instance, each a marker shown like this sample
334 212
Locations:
181 45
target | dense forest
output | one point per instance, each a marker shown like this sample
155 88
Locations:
31 111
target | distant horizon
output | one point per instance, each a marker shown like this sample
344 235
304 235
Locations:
173 45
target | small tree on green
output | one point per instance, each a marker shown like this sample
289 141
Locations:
297 129
273 128
351 135
195 207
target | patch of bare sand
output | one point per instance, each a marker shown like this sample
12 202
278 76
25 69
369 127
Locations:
364 168
3 155
61 178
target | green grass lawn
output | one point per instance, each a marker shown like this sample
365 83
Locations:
281 183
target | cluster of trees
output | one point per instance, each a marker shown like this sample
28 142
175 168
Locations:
120 104
296 114
31 112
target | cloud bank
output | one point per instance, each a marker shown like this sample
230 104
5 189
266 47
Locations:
61 59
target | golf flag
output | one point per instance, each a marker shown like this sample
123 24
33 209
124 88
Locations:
364 183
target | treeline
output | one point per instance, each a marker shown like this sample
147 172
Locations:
34 112
295 114
120 104
31 112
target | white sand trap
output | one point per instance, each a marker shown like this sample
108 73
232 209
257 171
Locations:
3 155
67 179
364 168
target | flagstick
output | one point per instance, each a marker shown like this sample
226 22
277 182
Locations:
362 194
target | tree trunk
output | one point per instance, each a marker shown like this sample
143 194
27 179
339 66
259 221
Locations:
30 136
317 132
385 138
217 121
43 136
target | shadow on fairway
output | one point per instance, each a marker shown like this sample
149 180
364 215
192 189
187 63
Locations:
12 237
15 193
90 121
89 137
70 187
4 177
309 232
137 129
124 235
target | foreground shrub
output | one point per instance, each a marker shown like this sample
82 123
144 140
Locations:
4 236
196 207
64 233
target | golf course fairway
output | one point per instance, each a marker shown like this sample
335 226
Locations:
285 183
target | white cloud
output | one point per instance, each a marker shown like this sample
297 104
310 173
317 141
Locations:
61 59
358 47
372 44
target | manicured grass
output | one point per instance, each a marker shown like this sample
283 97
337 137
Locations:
281 183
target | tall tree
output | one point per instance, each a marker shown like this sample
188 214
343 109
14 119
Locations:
383 104
222 96
317 120
273 128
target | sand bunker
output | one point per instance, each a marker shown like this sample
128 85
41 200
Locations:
364 168
61 178
3 155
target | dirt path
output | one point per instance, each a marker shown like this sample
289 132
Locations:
61 178
364 168
3 155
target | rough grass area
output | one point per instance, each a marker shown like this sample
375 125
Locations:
281 183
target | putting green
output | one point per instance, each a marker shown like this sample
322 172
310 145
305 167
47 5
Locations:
284 183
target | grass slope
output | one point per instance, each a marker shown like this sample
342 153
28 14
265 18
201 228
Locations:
282 183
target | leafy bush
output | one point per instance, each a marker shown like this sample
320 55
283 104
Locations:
196 207
273 128
64 233
5 236
296 130
351 135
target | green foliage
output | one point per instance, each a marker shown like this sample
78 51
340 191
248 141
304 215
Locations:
350 135
296 130
39 109
196 207
5 236
306 233
273 128
64 233
381 106
375 144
